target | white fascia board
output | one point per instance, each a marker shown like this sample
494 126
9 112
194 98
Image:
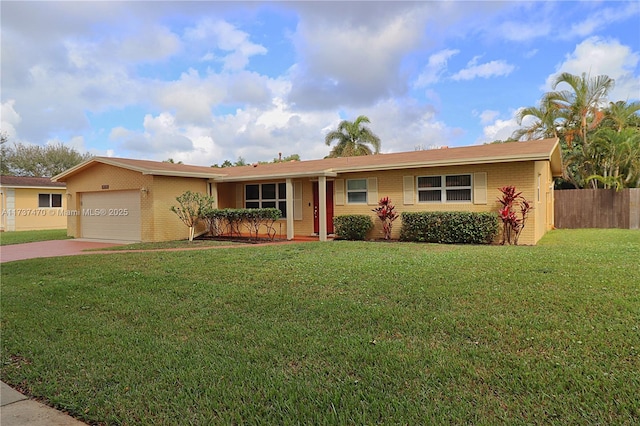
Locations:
180 174
326 173
62 188
457 162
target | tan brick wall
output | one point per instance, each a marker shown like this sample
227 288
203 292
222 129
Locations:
29 217
390 183
160 224
166 226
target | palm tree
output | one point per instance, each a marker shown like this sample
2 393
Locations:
615 157
581 106
544 124
353 139
622 114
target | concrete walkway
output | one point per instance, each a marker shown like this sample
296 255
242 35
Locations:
18 410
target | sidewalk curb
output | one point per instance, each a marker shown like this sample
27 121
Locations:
17 409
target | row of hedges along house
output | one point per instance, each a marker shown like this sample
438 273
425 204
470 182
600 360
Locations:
311 193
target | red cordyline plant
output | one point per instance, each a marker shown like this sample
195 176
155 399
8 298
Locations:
386 213
512 226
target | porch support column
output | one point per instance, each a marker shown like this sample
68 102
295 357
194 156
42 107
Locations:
290 233
213 189
322 200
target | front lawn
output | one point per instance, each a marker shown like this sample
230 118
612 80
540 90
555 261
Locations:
333 333
19 237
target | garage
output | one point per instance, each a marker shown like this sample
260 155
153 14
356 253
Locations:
113 215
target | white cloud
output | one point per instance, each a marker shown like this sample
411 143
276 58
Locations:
524 30
403 125
226 37
343 61
598 56
486 70
601 18
487 116
435 67
9 118
161 134
499 129
151 44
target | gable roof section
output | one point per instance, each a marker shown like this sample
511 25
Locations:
539 150
145 167
29 182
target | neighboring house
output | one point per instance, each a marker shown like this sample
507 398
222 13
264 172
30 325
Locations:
129 199
30 203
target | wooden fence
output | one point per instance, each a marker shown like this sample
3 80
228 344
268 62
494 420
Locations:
597 208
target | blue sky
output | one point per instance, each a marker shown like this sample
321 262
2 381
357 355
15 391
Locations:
202 82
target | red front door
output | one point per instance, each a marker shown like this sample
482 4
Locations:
316 208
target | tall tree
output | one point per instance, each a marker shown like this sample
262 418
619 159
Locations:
4 150
573 115
581 106
40 161
614 157
353 139
622 114
544 124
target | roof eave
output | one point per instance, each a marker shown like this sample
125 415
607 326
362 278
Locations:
131 167
180 174
441 163
31 186
325 173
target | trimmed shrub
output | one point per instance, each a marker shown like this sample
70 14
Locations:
352 226
449 227
231 220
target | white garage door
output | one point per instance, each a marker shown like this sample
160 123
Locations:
111 215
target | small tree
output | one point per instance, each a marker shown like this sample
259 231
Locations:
192 207
386 213
512 226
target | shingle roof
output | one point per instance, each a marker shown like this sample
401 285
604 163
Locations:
545 149
28 181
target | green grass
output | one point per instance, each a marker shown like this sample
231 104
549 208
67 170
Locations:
19 237
333 333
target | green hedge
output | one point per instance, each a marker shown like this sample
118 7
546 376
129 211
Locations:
352 226
221 221
449 227
243 214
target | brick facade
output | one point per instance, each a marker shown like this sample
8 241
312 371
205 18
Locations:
529 166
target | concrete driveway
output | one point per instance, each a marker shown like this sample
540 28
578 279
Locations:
49 249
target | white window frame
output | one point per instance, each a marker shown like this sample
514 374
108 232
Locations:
50 204
443 188
280 198
357 191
